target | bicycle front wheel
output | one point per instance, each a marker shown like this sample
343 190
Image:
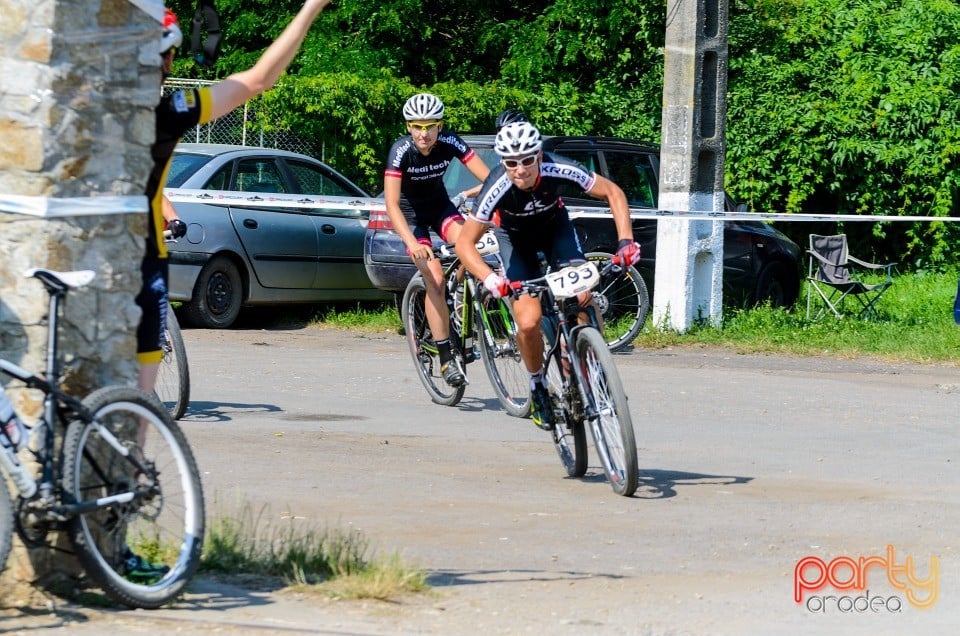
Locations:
610 425
622 300
423 349
569 437
497 333
173 377
140 523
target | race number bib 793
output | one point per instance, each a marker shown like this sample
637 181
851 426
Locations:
573 280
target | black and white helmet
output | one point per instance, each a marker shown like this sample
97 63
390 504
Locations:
509 116
423 107
517 139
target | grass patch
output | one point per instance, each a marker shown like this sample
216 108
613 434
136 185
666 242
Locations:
369 316
331 561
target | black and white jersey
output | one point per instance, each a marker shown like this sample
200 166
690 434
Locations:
523 209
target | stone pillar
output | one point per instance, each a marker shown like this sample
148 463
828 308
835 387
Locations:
76 124
689 270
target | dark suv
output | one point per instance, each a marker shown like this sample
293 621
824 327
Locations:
759 263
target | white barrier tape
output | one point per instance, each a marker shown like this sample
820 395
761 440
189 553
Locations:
49 208
267 200
761 216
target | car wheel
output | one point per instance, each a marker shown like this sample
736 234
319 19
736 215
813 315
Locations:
217 295
775 286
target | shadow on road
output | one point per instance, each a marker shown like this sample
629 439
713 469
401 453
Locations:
222 411
662 484
454 578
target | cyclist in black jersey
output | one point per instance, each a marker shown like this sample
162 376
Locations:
523 192
417 202
175 114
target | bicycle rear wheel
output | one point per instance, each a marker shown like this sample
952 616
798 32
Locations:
612 429
569 436
497 333
173 377
423 350
6 520
622 300
144 545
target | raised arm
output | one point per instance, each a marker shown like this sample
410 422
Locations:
240 87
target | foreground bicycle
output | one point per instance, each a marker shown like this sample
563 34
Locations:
583 380
480 326
124 485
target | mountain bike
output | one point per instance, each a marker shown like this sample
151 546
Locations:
123 483
480 327
173 377
582 379
623 301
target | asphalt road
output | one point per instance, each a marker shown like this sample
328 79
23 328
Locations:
748 464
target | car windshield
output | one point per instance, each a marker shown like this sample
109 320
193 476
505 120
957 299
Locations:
458 178
183 166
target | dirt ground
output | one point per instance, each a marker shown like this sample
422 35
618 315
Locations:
748 463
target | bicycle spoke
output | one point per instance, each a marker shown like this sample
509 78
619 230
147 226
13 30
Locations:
501 356
144 546
610 416
423 350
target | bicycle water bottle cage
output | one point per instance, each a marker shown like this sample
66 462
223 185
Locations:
205 50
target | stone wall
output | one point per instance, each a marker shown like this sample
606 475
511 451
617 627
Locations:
76 121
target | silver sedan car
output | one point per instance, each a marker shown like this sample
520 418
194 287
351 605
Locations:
249 250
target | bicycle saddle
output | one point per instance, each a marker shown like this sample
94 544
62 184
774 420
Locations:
61 280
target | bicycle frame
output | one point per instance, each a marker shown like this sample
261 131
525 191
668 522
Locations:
565 321
58 406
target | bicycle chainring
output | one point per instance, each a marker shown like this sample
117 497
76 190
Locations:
31 524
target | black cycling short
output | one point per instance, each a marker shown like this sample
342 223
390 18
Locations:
152 300
556 239
430 214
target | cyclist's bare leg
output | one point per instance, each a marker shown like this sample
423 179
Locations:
529 335
146 381
438 316
585 300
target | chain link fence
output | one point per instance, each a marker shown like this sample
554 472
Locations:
242 126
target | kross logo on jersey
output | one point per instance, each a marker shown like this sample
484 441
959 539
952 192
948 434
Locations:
571 173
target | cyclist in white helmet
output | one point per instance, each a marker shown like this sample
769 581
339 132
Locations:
524 191
417 202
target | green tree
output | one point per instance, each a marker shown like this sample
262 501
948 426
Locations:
833 106
850 107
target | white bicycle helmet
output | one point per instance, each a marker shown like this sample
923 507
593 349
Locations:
172 36
517 139
423 107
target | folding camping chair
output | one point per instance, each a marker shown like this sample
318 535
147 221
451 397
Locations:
836 276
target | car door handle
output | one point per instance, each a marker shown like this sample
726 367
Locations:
326 228
251 224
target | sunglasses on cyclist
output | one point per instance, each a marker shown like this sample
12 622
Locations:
526 162
423 127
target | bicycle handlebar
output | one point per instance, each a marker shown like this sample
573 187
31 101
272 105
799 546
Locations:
540 283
